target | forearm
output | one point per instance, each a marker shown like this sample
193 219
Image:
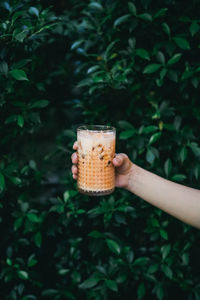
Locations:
177 200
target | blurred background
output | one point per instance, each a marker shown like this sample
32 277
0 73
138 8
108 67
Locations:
133 65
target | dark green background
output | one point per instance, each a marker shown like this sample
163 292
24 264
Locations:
134 65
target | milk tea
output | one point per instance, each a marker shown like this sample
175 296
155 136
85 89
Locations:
96 149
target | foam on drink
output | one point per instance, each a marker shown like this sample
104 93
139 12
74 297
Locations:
96 150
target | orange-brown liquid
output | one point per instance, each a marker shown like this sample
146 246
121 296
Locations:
96 172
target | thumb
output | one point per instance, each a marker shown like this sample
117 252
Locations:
122 163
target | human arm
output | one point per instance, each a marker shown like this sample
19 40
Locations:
175 199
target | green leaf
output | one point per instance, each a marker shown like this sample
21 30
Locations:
96 234
3 67
149 129
153 268
196 293
168 166
21 36
39 104
33 11
22 274
38 239
20 121
32 164
194 28
132 42
195 82
70 133
178 177
167 271
2 182
85 82
145 17
158 290
9 262
182 43
125 125
163 234
6 5
111 285
89 283
18 74
150 156
174 59
21 63
121 278
160 13
92 69
165 250
113 246
173 75
166 28
195 149
18 223
154 137
183 154
155 222
160 57
142 53
124 135
163 72
76 44
33 217
141 261
188 73
110 49
185 259
151 68
49 292
121 20
66 196
16 180
63 272
96 6
141 290
18 14
132 8
76 276
32 261
130 256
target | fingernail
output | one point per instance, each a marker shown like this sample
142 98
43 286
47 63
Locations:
118 159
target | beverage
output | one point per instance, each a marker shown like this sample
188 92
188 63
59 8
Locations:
96 149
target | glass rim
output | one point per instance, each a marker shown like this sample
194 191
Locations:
97 128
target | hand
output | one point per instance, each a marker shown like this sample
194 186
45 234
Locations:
121 162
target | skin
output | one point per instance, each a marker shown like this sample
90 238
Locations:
175 199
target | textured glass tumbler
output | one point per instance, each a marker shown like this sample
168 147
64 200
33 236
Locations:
96 149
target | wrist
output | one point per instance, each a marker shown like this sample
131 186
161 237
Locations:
133 173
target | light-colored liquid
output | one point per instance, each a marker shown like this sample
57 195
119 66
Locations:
96 174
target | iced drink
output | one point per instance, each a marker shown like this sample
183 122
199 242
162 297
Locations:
96 149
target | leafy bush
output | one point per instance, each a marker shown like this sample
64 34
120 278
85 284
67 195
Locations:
133 65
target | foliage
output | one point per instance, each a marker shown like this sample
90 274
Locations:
131 64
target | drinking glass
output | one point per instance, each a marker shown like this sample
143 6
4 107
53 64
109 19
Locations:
96 149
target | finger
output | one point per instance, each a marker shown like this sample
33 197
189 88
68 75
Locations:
75 146
74 170
74 158
74 176
122 163
118 159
